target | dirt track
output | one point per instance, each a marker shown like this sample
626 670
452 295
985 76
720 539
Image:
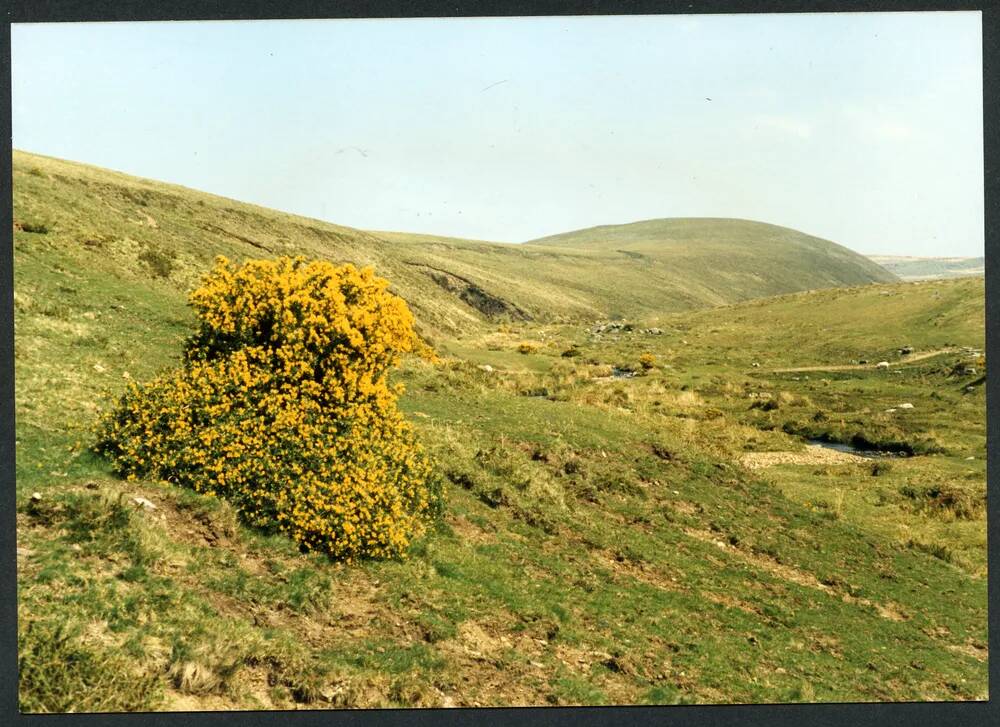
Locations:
912 358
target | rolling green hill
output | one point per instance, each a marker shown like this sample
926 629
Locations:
725 260
131 228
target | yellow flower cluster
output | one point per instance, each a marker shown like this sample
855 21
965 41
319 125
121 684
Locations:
283 407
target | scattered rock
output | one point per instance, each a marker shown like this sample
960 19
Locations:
487 368
906 350
612 327
905 406
143 503
99 369
755 365
814 454
36 496
963 369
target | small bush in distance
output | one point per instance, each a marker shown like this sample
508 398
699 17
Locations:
647 361
282 406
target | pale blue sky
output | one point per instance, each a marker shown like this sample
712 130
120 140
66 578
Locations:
865 129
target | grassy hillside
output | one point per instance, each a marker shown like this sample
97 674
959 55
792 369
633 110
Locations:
662 538
134 229
724 260
930 268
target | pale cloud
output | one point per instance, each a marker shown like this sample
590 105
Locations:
789 125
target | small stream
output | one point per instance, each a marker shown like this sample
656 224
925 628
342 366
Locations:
850 449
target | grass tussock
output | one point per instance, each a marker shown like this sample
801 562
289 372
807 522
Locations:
59 672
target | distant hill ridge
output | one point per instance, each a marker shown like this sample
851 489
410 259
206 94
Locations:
930 268
137 228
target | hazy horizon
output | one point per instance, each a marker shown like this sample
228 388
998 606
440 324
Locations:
864 129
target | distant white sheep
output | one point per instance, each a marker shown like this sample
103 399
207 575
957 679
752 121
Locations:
882 365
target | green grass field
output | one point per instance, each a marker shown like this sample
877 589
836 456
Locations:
662 538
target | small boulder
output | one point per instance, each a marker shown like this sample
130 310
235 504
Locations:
143 503
907 405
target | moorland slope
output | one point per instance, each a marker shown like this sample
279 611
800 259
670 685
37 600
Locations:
615 532
133 228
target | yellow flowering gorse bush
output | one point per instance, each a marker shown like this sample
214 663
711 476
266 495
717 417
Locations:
283 407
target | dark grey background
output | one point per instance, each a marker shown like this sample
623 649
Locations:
909 714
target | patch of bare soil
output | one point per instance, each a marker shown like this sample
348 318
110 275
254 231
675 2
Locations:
469 532
889 611
495 665
980 652
176 701
635 570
